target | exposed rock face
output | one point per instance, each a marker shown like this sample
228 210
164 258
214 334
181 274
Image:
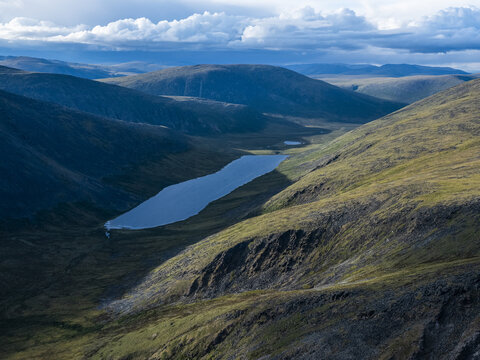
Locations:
436 321
284 260
258 264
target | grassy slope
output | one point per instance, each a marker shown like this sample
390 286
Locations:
394 211
51 317
362 257
406 89
54 274
193 117
268 89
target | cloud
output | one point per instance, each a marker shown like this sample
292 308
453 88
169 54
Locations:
451 29
302 29
306 29
198 29
31 29
453 18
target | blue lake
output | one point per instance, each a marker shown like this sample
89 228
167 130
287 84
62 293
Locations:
181 201
292 143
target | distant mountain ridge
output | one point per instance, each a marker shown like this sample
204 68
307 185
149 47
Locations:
266 88
392 70
407 89
99 71
87 71
193 117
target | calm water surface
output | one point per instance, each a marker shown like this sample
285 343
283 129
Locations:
181 201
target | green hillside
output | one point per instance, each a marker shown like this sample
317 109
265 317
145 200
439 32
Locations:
268 89
366 247
375 244
406 89
195 117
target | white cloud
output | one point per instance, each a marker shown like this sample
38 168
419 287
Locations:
31 29
301 29
454 18
206 28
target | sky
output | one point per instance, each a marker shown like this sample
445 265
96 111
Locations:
441 32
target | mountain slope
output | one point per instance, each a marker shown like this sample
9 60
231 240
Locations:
392 70
53 155
373 252
116 102
268 89
406 89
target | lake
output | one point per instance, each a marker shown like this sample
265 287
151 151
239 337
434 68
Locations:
292 143
181 201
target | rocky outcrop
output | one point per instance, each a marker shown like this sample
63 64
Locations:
286 260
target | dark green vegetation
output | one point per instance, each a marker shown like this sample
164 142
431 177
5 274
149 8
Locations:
405 89
267 89
51 154
392 70
365 247
193 117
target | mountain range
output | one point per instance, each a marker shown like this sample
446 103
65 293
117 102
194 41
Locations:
190 116
267 89
389 70
406 89
98 71
87 71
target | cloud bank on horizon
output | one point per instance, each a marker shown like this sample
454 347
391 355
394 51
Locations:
452 32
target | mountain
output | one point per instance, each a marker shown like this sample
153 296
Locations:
53 155
372 252
88 71
193 117
265 88
407 89
389 70
56 66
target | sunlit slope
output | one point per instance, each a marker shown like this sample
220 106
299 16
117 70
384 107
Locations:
194 117
373 253
401 192
268 89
